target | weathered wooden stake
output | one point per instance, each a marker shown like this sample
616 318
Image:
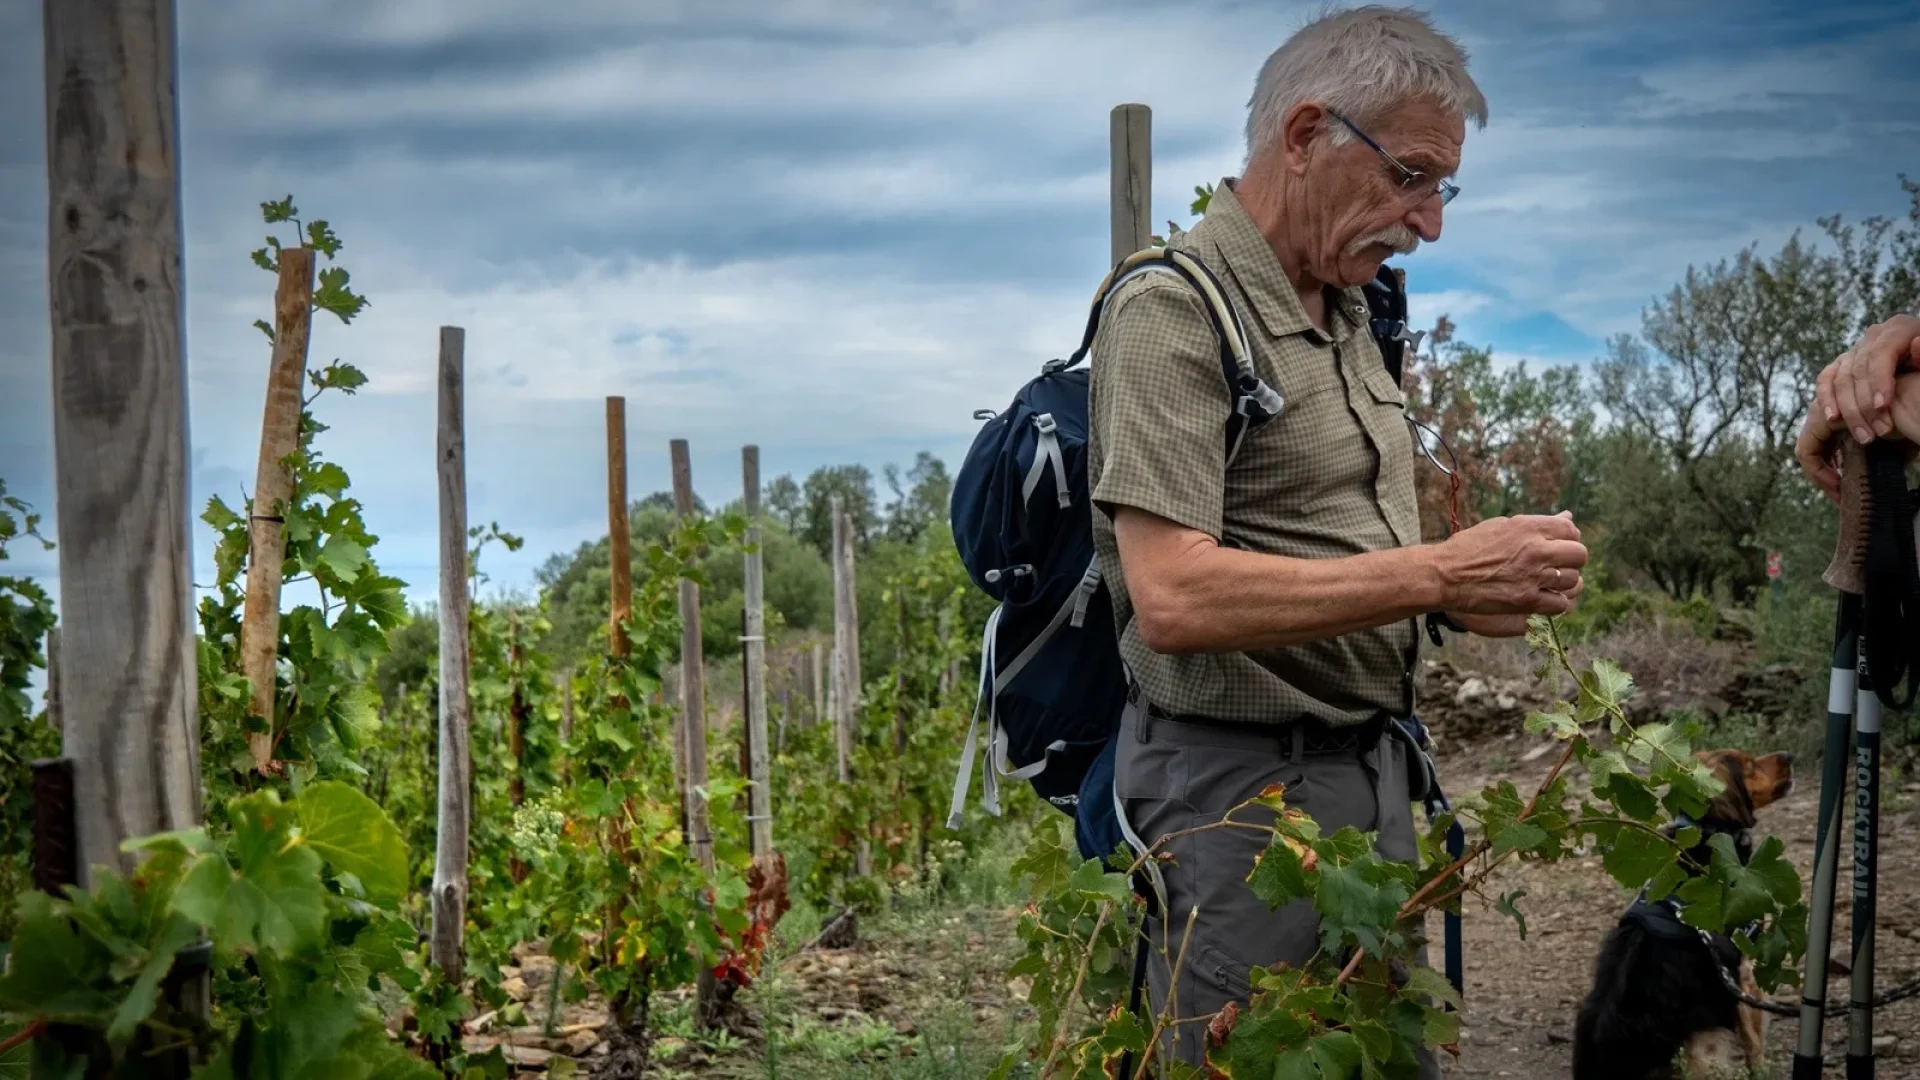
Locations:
693 716
847 686
619 538
53 679
518 710
900 680
754 689
272 488
817 682
127 673
456 767
1131 179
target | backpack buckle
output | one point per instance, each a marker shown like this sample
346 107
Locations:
1046 423
993 576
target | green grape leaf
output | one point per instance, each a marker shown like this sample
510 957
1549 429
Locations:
277 902
1636 855
343 558
1557 723
1610 683
144 994
1508 905
1278 875
1424 980
1519 836
355 836
51 969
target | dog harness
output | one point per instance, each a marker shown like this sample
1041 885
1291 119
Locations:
1661 918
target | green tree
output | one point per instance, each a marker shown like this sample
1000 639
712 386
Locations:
854 485
785 503
922 501
1717 383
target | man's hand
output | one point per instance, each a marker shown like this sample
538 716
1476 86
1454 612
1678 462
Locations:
1505 626
1863 393
1512 567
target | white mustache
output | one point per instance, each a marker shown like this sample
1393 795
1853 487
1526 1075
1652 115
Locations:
1398 237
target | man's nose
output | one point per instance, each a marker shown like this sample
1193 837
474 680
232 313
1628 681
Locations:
1424 219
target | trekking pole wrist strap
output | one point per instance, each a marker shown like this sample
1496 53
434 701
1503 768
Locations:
1440 620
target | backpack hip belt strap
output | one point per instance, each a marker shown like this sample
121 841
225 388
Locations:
1309 734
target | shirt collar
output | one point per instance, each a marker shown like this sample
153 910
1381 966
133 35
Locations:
1254 265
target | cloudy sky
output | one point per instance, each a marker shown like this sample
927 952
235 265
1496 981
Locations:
837 227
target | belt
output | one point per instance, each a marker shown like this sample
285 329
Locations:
1310 735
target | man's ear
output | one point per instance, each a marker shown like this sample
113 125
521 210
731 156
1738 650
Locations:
1300 135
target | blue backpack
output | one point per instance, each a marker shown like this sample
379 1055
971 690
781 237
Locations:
1052 682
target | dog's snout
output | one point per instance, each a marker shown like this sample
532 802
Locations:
1786 756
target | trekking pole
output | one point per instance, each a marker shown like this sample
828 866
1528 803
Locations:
1877 571
1808 1058
1866 799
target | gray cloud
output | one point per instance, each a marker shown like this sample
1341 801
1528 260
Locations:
836 228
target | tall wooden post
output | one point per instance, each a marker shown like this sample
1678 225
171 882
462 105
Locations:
693 715
519 709
272 488
456 766
846 668
754 688
817 681
842 594
619 538
53 679
1131 179
127 686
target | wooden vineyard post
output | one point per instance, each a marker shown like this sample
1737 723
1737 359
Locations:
619 538
53 679
900 680
456 767
125 682
846 667
1131 179
693 716
518 710
754 686
272 488
817 682
620 580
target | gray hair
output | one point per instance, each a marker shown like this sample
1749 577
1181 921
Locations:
1362 63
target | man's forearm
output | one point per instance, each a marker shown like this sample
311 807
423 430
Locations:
1209 598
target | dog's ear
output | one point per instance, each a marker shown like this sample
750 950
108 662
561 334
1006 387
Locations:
1734 805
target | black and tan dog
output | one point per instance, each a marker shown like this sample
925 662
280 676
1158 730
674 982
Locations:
1657 986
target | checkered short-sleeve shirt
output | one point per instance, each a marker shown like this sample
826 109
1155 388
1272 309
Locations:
1330 476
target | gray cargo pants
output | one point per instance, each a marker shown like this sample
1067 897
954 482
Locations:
1171 776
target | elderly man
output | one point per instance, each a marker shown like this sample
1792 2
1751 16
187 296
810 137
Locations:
1267 610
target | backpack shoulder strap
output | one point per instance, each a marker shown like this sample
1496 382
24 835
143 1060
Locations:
1254 402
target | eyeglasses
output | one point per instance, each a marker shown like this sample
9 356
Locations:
1410 180
1426 439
